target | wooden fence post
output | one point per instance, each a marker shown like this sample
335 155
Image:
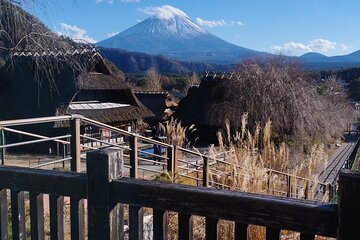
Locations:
171 162
3 214
104 220
2 151
288 193
75 144
205 171
349 205
134 157
77 210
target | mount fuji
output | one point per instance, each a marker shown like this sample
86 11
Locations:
174 35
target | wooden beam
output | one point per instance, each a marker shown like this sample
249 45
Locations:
56 217
134 157
18 215
185 226
275 212
3 214
37 216
43 181
75 145
349 205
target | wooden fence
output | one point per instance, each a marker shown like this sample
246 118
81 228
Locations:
104 191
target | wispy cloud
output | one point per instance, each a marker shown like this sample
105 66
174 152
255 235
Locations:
76 33
316 45
210 23
164 12
112 34
112 1
217 23
345 46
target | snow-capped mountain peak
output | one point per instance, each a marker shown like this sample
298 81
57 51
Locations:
169 31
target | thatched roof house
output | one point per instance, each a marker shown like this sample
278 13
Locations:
89 88
204 106
160 103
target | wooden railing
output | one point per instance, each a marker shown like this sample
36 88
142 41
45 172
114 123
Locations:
198 168
103 190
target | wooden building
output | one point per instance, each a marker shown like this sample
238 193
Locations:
160 103
91 90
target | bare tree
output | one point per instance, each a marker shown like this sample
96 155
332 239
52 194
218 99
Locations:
153 80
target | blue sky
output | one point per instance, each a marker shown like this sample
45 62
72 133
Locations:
291 27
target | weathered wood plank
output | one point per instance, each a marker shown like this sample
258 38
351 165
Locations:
2 150
170 161
75 145
134 157
77 218
211 228
271 211
136 222
3 214
18 215
43 181
241 231
37 216
185 226
56 217
272 233
349 205
97 169
205 178
304 236
160 223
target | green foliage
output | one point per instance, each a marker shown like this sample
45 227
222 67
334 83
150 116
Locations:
163 177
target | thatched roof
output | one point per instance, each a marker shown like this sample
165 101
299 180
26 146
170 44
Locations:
204 105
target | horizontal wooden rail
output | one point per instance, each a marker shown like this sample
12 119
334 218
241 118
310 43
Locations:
43 181
274 212
29 121
126 133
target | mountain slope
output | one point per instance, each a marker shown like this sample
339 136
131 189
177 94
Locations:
136 62
180 38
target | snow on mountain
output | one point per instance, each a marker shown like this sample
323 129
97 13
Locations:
170 32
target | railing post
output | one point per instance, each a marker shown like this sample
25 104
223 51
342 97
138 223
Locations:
3 214
170 162
288 193
134 157
205 171
75 144
77 209
104 220
349 205
2 150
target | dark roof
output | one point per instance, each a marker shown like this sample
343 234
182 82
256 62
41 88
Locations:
205 104
157 102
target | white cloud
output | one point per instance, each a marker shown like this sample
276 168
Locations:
316 45
217 23
210 23
76 33
345 47
112 34
164 12
112 1
322 45
236 23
